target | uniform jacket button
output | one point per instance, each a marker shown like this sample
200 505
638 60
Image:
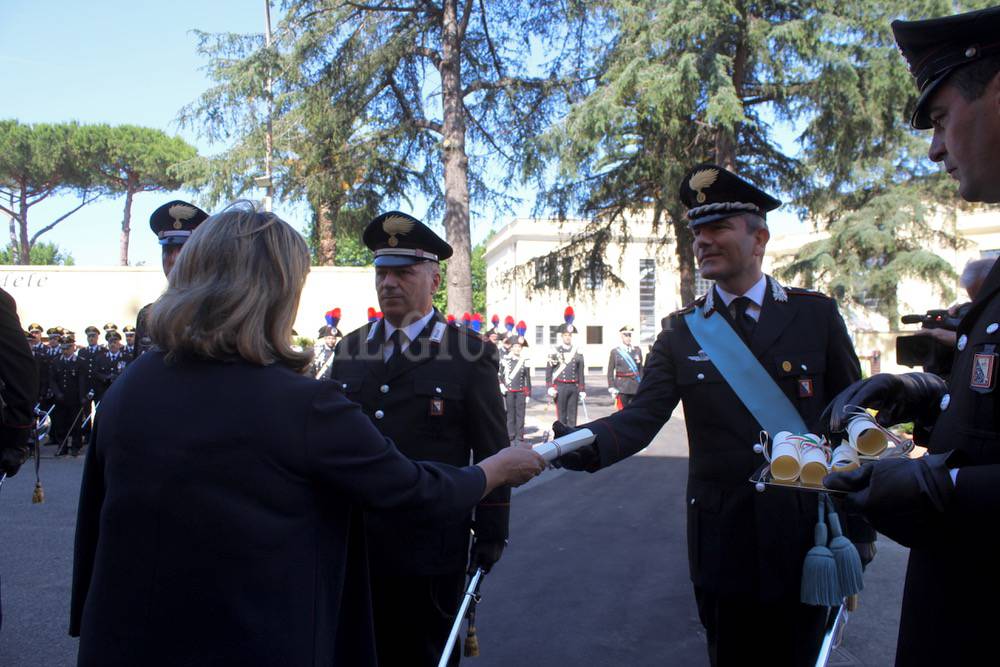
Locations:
945 401
379 414
992 328
384 389
692 501
701 376
437 389
963 339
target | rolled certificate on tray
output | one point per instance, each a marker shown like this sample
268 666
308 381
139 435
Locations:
564 444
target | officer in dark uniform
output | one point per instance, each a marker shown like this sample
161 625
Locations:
172 223
66 378
93 387
746 549
564 373
944 506
624 369
111 362
322 363
110 326
515 385
45 358
40 354
432 389
129 332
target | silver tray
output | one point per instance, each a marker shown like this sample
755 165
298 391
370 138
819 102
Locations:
763 474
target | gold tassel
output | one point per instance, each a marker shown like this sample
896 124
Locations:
39 495
853 601
471 643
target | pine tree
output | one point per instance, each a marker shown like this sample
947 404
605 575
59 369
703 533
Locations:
713 81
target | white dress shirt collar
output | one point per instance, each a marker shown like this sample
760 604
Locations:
755 294
410 331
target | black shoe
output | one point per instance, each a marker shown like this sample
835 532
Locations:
74 452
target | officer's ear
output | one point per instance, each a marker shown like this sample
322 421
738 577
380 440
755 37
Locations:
435 271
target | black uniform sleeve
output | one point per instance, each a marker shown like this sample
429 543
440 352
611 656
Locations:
581 380
88 519
626 432
842 365
549 372
487 429
19 375
57 393
611 369
368 467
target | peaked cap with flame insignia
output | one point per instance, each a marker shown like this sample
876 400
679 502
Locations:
174 221
712 193
399 239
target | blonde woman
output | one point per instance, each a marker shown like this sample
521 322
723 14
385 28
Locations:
220 514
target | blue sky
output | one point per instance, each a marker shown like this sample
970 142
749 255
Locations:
111 61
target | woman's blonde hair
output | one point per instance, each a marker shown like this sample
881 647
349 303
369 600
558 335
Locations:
234 291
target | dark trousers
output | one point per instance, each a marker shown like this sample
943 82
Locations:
63 417
740 626
567 396
413 616
515 402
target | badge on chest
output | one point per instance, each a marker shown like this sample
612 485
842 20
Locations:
436 407
983 367
805 387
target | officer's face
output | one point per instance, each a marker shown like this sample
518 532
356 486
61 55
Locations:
627 337
329 341
92 339
567 338
129 339
516 349
967 139
169 255
406 292
114 344
36 337
727 251
53 342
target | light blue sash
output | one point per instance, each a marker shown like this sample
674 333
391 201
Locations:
623 352
752 384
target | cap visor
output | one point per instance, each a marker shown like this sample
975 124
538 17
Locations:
397 260
712 217
920 120
174 240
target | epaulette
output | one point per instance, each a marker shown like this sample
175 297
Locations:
801 291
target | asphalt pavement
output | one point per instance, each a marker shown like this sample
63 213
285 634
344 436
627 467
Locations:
595 573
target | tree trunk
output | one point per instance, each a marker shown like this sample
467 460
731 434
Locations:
126 225
326 239
456 164
13 240
685 253
24 252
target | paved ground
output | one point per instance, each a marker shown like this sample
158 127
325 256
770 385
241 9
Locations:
595 574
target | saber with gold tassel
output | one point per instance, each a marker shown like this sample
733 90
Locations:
471 649
471 592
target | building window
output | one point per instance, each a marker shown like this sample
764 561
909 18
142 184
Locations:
539 334
595 335
647 301
553 334
702 286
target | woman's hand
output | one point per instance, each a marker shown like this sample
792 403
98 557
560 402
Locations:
511 466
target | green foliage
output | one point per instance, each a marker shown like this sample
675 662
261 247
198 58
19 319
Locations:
42 253
135 159
36 162
682 83
478 283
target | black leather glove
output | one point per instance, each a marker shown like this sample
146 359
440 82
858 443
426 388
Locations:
485 554
898 398
903 498
585 459
15 452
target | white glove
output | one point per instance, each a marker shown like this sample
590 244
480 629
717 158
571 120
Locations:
583 395
503 390
552 392
527 396
612 391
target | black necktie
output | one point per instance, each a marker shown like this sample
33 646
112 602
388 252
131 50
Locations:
397 350
744 323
